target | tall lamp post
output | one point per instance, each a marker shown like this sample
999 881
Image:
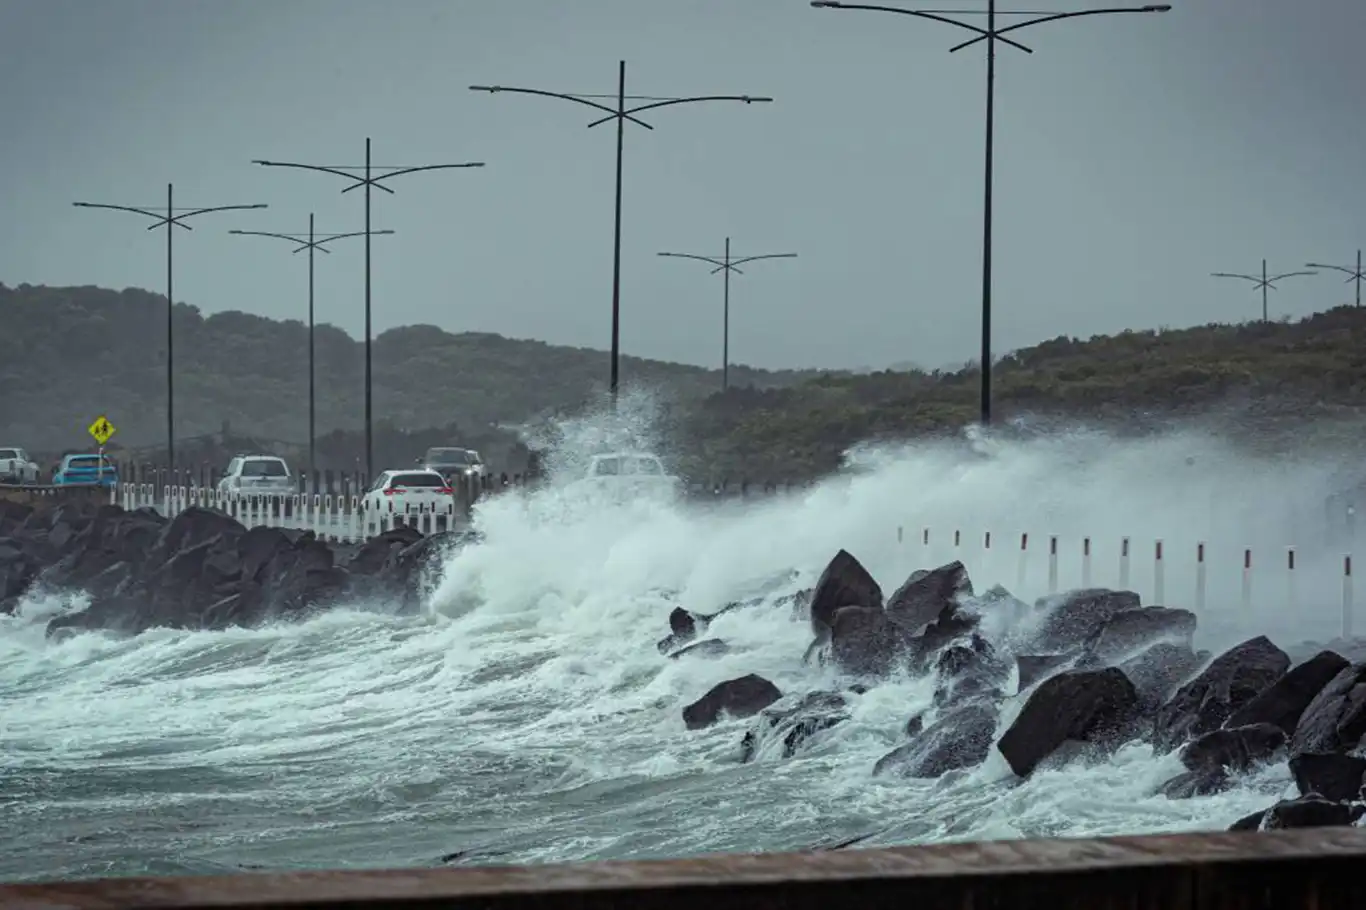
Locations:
311 242
367 180
1263 283
168 218
620 113
725 265
991 34
1353 274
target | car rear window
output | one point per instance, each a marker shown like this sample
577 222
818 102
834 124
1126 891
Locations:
417 480
264 467
6 454
88 462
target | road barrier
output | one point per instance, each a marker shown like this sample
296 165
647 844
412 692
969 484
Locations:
341 519
1316 868
1281 580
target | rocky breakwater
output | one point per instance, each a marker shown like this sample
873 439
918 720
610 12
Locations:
1071 677
199 570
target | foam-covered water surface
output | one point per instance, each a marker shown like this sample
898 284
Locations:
528 715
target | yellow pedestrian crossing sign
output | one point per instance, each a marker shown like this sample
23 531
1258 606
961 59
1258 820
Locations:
102 429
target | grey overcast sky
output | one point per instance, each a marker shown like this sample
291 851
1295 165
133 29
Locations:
1135 155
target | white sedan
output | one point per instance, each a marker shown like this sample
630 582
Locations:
402 492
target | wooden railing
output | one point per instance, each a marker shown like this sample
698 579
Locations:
1282 870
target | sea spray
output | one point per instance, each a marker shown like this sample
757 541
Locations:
528 716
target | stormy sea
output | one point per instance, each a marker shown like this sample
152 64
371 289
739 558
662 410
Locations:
526 714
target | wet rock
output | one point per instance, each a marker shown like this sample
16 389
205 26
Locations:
371 556
710 647
961 738
1033 667
916 725
1211 759
865 642
1285 700
1075 619
1335 720
926 594
969 670
1251 822
795 724
953 624
844 583
1235 749
1232 680
1079 705
743 697
684 626
1332 776
1160 670
1310 812
1133 630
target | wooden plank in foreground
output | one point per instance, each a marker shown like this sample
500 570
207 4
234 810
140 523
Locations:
1284 870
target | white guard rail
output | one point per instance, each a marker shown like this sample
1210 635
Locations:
341 519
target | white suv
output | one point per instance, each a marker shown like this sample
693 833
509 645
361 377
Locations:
264 475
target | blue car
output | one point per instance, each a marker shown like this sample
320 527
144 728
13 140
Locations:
84 470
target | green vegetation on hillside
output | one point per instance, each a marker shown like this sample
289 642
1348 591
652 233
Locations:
68 353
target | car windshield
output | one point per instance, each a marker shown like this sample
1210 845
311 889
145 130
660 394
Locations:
264 467
452 456
641 465
416 480
88 463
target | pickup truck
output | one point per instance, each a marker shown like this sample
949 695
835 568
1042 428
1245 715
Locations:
16 467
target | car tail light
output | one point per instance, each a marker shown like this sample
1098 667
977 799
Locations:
446 491
392 490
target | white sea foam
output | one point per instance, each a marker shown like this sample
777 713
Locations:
529 717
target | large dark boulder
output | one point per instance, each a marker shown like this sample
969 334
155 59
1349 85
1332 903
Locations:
1129 631
844 583
1332 776
959 738
1232 680
1284 701
863 641
1211 759
1335 720
1075 619
1079 705
926 594
684 626
743 697
1160 670
969 670
794 724
1310 812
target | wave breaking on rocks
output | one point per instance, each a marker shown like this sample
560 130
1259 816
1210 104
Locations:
1073 677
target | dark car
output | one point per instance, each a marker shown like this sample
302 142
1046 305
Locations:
452 463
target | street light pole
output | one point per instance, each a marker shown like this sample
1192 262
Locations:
725 265
1262 283
991 35
172 217
621 113
367 182
1353 274
311 242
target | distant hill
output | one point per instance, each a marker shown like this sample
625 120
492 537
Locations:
1260 382
70 353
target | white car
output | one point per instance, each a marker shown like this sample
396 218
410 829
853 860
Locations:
624 476
15 467
418 490
258 475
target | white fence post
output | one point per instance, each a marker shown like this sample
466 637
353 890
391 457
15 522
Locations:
1124 564
1053 564
1024 562
1159 576
1347 597
1086 562
1200 576
1247 578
